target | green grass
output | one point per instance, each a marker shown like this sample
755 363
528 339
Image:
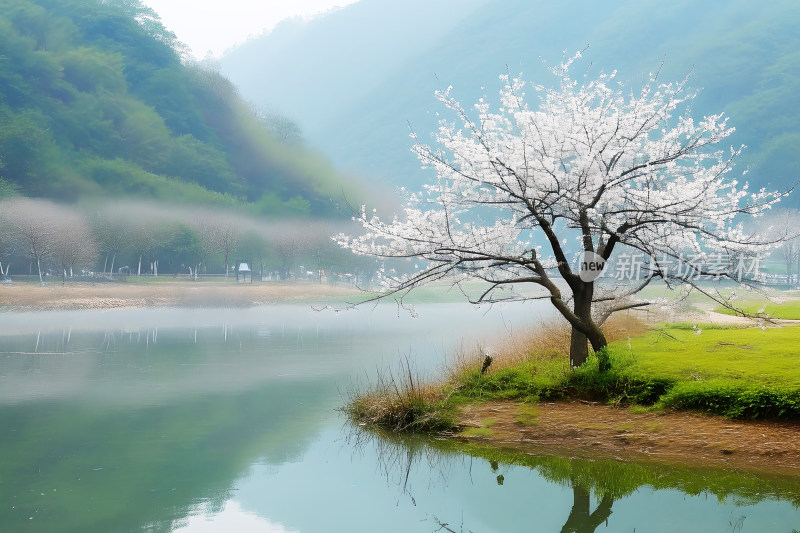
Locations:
755 302
769 357
735 372
478 432
527 415
789 310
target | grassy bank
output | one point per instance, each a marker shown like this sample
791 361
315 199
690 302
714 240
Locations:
735 372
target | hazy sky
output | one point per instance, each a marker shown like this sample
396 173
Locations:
216 25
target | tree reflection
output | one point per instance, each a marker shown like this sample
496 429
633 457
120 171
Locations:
398 455
581 520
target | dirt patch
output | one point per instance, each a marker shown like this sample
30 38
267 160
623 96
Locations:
29 297
601 431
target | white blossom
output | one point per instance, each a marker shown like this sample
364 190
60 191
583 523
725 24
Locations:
615 167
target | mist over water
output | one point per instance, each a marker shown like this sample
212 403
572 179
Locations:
66 353
198 420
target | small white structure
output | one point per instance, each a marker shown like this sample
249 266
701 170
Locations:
243 272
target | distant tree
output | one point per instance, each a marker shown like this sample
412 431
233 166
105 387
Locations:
149 235
7 188
9 244
592 171
285 129
223 236
782 225
32 225
73 242
253 246
288 245
111 234
790 251
205 242
149 21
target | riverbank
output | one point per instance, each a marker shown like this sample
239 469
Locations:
715 363
660 401
166 293
593 430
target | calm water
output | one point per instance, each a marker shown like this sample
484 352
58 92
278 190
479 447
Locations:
224 420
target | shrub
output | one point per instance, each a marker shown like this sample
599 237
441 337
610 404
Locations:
734 400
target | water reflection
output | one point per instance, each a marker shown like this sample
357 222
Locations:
214 421
145 420
581 518
574 495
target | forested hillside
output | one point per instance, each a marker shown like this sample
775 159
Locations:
96 102
742 56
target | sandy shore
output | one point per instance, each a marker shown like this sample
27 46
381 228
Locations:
183 293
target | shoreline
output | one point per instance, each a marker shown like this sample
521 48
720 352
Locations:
168 293
569 428
591 430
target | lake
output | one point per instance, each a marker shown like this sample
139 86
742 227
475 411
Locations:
201 420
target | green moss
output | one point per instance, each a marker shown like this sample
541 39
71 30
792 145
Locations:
527 415
637 409
477 432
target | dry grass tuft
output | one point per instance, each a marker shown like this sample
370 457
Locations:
543 342
625 326
400 400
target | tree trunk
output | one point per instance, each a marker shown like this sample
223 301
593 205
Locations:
582 307
139 269
578 348
39 268
105 265
589 333
113 257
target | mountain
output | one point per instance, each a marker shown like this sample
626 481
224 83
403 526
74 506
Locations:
95 101
361 75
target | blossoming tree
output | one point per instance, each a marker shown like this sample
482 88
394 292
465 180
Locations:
543 194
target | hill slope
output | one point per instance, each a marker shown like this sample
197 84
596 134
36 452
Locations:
743 56
95 101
